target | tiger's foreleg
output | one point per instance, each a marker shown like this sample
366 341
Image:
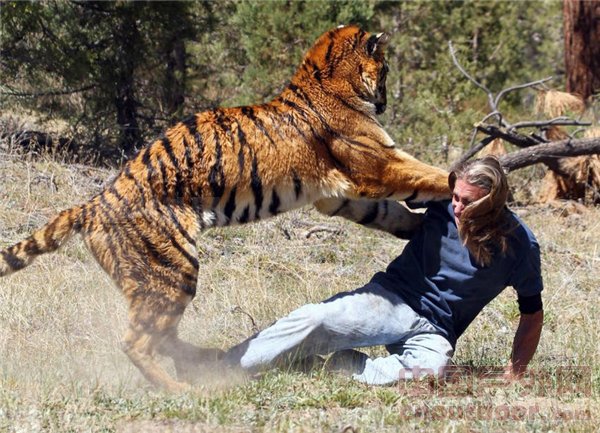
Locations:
399 176
385 215
424 181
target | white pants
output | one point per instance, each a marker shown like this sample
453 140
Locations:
368 316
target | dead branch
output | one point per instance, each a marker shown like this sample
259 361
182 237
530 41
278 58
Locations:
238 309
321 229
62 92
475 148
549 153
470 78
557 121
494 101
519 87
515 138
536 148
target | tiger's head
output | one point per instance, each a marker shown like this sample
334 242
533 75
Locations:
349 63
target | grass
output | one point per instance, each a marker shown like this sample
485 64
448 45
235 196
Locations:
61 368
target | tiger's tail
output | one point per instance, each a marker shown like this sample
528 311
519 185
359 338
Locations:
44 240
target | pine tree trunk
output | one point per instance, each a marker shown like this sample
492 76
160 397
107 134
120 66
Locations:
582 46
126 37
174 94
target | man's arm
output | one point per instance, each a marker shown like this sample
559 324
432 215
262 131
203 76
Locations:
525 343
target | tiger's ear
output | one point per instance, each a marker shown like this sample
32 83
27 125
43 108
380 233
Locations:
377 43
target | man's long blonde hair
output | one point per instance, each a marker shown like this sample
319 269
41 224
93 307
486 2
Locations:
484 224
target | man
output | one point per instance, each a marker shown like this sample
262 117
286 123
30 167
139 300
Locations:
462 256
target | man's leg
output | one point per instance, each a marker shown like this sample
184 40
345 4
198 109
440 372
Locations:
419 355
368 316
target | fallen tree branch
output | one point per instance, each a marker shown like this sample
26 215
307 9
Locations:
321 229
535 146
238 309
515 138
474 149
548 153
18 94
557 121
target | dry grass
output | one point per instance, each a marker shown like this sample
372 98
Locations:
582 179
554 103
61 368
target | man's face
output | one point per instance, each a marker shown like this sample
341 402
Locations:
463 195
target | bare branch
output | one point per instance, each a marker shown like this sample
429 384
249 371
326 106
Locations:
519 87
473 137
535 146
557 121
474 149
518 140
238 309
321 229
470 78
11 92
548 153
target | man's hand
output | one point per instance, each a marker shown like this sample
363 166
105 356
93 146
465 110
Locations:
525 344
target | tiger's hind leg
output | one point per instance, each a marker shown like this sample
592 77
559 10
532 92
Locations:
152 324
155 264
157 303
154 315
188 357
153 330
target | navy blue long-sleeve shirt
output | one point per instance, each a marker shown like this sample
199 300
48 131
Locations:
439 279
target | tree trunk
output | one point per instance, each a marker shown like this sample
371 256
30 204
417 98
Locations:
582 46
126 38
175 76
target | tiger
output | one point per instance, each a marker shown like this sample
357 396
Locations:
318 142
